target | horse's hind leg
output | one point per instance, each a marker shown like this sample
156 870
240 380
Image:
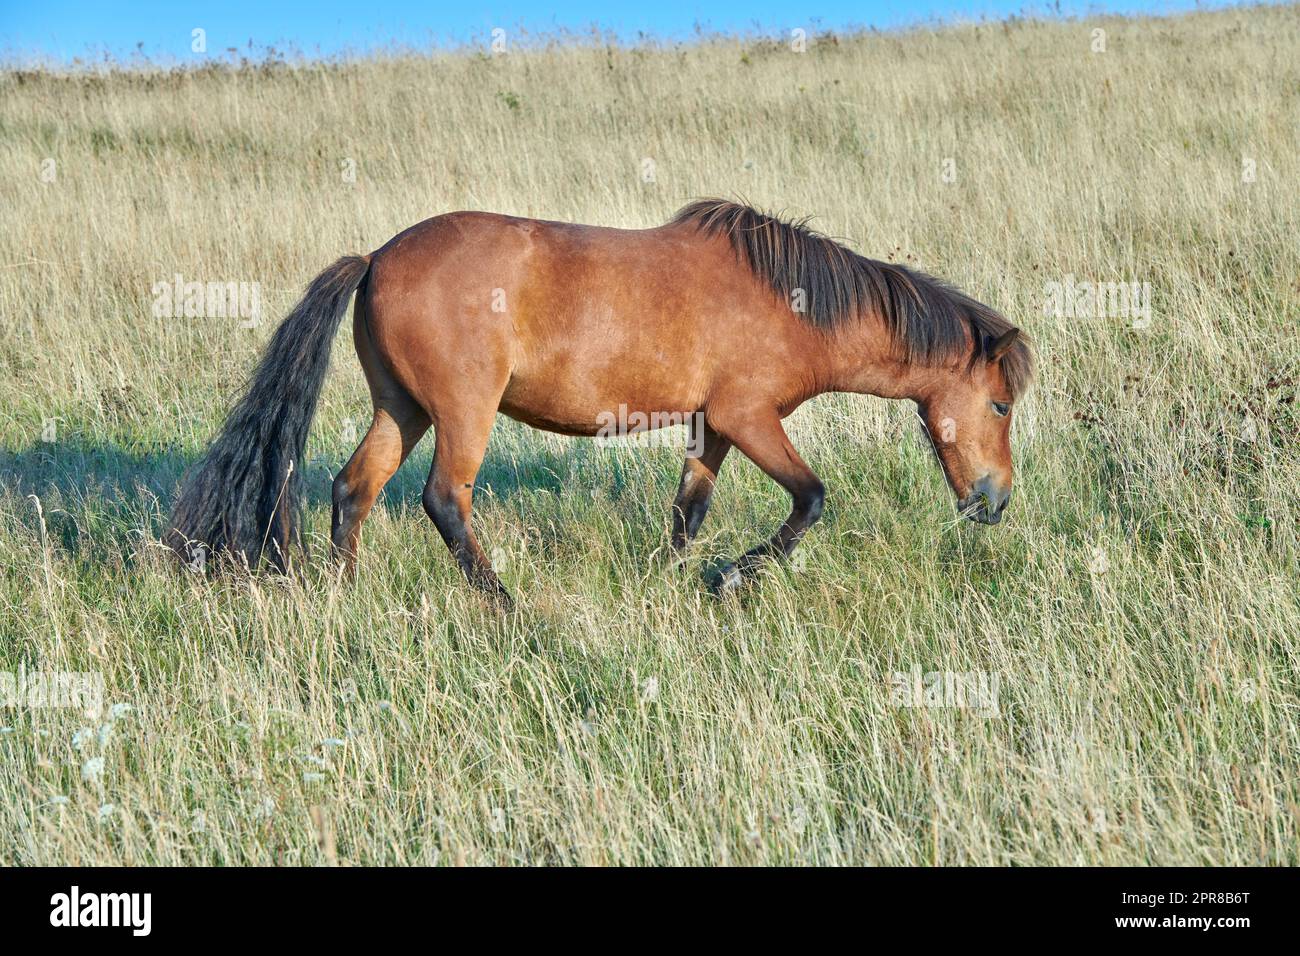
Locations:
397 427
462 438
699 473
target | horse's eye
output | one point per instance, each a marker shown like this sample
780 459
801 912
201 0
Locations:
1001 408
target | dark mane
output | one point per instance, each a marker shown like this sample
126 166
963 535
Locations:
931 322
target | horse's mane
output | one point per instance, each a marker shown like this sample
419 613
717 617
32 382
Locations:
931 322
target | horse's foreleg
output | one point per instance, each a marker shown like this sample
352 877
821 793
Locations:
448 496
703 459
764 442
392 435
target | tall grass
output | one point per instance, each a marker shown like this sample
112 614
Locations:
1137 614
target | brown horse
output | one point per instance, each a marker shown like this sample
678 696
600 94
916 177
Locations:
725 317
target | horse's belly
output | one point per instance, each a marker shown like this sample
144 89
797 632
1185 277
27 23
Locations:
590 401
621 343
551 419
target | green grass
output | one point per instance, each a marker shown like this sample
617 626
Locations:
1139 608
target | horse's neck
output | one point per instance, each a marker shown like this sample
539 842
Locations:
860 358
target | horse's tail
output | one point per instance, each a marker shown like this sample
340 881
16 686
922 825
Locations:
243 496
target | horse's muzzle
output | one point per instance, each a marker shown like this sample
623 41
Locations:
985 503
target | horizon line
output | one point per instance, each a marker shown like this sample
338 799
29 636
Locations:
531 40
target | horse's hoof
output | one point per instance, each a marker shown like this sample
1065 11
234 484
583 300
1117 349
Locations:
499 598
728 581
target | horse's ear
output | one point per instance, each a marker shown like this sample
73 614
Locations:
994 349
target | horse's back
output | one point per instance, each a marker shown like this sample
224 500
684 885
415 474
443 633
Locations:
572 320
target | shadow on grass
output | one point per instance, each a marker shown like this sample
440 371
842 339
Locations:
94 497
99 497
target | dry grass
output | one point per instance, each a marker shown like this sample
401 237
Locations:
1139 610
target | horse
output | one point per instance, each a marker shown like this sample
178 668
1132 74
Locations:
725 317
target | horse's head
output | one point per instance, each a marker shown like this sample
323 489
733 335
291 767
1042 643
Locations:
967 412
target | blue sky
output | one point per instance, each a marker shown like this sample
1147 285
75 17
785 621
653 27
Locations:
57 30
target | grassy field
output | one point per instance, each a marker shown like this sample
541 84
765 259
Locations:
1133 626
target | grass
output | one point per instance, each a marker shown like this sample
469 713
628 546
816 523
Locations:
1138 611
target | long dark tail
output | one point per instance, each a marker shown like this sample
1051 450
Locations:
243 497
